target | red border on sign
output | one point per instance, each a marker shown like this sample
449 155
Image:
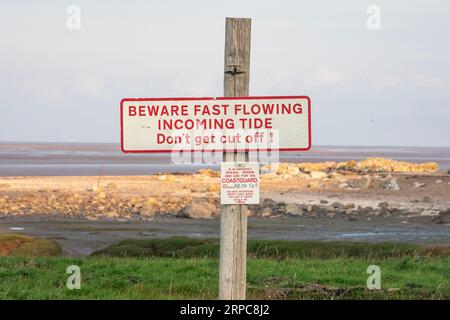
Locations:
217 98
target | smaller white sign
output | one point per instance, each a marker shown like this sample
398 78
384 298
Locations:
239 183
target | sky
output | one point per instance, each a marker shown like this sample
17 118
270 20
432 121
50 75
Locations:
388 86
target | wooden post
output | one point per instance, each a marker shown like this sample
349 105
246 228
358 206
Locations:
233 222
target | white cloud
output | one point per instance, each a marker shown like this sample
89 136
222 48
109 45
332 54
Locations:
324 76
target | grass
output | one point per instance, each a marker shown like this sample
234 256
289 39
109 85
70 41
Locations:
184 268
183 247
197 278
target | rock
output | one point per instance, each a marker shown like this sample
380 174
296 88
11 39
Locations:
111 214
267 212
150 207
349 206
368 165
427 199
338 206
361 183
390 184
209 172
166 178
199 210
279 208
293 171
439 181
366 210
383 205
418 185
318 174
338 177
429 213
294 209
323 201
213 187
343 185
443 217
388 165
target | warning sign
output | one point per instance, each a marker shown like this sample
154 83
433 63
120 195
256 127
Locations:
281 123
239 183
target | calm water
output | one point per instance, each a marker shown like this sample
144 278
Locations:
34 159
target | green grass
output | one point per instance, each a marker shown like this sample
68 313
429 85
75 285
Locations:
197 278
185 268
183 247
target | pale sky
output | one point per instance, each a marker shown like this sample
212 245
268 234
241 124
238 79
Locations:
388 87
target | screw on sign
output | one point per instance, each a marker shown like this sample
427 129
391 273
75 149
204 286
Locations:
235 125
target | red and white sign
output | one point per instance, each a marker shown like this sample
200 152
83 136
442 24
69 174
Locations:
239 183
206 124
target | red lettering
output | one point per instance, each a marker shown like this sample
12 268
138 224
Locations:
141 111
160 138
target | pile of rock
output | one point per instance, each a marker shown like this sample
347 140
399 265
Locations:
95 204
325 209
366 166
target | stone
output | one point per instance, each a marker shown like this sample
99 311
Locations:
166 178
213 187
427 199
338 206
439 181
267 212
443 217
149 207
318 174
111 214
293 171
209 172
343 185
391 184
323 201
349 206
383 205
418 185
294 209
361 183
199 210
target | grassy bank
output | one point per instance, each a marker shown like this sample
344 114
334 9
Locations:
183 268
183 247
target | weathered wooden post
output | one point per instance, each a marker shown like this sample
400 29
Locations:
233 223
